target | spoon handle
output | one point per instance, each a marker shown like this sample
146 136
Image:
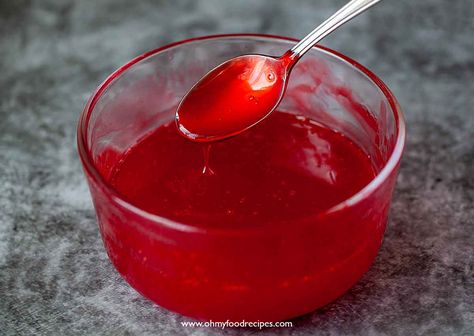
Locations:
346 13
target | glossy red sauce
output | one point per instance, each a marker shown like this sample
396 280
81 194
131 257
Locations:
283 169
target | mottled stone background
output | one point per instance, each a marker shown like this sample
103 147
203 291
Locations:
55 278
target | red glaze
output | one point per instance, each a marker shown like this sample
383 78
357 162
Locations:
286 168
232 97
273 180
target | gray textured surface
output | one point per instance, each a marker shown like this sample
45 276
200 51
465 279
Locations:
55 278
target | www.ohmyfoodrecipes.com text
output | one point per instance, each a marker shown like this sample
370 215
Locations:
240 324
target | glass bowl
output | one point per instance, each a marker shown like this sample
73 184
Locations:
255 273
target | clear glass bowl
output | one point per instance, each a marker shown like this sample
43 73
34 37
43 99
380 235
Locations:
251 273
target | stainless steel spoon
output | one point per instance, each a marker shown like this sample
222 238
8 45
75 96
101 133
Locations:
242 91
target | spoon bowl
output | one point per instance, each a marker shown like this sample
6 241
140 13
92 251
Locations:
231 98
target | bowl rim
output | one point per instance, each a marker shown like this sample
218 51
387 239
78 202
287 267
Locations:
93 173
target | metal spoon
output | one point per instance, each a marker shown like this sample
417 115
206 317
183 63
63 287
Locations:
241 92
